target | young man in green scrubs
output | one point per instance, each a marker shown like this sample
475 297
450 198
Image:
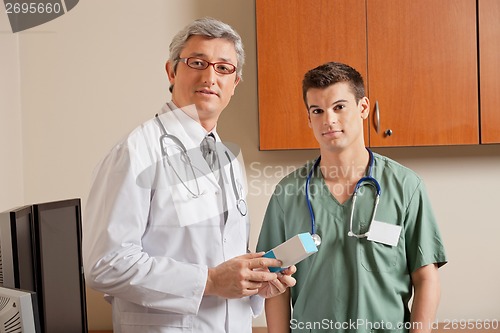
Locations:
366 270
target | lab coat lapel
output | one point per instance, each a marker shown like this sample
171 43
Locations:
190 133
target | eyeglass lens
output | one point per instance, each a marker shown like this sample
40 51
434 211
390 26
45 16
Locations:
200 64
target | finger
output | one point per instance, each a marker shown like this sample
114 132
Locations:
290 270
264 263
278 285
256 260
253 285
287 280
251 255
250 292
261 276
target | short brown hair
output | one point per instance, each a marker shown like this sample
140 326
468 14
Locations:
330 73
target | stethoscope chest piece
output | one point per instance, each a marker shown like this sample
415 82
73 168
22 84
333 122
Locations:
242 207
316 239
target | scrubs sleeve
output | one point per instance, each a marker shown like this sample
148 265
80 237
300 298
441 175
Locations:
272 232
424 244
116 218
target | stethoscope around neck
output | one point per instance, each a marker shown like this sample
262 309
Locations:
367 180
241 203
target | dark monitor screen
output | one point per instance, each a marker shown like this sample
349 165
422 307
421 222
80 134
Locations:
25 254
17 269
60 280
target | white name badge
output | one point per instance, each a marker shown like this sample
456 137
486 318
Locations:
384 233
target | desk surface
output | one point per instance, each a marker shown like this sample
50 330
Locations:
440 330
255 330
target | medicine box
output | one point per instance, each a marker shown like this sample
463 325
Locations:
292 251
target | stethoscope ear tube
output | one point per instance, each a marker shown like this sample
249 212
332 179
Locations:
368 180
241 204
316 238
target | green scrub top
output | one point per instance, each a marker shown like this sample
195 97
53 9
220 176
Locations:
351 284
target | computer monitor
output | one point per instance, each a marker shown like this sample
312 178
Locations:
60 283
41 252
18 311
16 249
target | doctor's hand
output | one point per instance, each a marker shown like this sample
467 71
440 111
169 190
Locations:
278 286
241 276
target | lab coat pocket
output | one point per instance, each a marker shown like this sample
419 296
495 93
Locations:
377 257
155 323
188 209
175 207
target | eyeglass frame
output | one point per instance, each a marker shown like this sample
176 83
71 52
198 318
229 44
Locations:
208 63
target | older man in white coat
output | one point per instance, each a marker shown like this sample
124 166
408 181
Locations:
165 234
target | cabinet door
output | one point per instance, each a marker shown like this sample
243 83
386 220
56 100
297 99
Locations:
422 66
294 36
489 64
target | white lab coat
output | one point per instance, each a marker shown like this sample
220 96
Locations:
148 244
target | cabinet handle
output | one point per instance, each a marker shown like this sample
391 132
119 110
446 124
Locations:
377 117
388 132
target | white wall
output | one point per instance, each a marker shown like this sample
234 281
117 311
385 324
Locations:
11 148
90 76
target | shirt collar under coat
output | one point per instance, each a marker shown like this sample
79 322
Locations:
187 117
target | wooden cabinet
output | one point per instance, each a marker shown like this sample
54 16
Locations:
418 58
294 36
489 64
422 71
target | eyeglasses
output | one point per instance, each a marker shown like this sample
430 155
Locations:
200 64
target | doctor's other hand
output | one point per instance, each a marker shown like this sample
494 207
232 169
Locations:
241 276
278 286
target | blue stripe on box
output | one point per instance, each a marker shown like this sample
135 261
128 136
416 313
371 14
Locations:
308 242
270 254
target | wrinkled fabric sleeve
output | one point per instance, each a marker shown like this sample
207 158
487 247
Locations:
116 218
424 244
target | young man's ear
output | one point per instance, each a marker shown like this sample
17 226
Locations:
364 105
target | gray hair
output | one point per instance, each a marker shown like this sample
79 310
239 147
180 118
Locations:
211 28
